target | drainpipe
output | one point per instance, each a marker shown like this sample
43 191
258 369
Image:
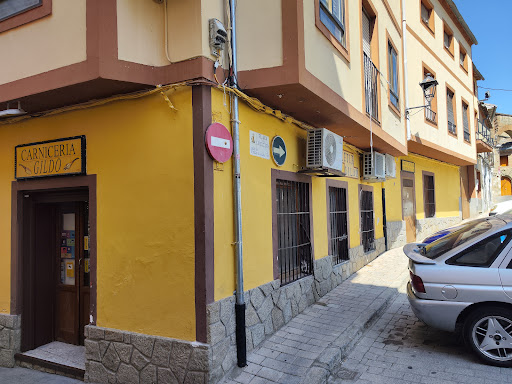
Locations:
406 83
241 348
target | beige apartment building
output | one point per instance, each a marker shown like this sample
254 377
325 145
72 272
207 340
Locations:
117 240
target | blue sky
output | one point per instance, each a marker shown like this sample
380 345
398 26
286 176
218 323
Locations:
491 24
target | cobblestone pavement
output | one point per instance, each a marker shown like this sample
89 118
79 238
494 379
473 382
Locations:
399 348
304 350
29 376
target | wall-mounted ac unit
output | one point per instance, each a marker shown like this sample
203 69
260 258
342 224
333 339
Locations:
390 167
324 150
374 166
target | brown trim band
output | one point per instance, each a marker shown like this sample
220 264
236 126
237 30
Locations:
18 188
428 149
27 16
203 209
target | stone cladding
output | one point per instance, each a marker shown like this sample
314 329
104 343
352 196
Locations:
10 339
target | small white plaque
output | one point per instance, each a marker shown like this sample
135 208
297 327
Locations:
259 145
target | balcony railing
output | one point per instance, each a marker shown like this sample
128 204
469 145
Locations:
467 135
483 133
371 93
430 115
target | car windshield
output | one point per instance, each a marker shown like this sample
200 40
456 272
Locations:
463 234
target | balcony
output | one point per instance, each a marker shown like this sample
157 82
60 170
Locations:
452 128
371 90
430 115
484 140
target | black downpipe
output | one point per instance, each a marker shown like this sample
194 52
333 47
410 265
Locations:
241 350
384 223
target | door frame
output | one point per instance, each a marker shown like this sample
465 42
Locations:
18 208
409 176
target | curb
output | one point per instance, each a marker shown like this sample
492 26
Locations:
340 348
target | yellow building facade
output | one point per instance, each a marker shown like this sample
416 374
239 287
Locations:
127 246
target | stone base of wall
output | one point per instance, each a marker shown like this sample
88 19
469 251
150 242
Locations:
10 339
270 306
426 227
114 356
396 234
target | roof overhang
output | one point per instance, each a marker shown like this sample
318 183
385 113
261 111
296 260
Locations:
462 22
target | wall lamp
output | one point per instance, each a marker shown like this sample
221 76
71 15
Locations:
428 85
9 112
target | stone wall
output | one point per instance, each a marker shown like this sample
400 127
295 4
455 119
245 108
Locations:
270 306
396 234
426 227
114 356
10 339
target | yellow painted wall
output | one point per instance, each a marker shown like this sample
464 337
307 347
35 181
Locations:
41 45
257 201
446 184
141 152
417 54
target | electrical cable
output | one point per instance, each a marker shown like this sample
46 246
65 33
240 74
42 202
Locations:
495 89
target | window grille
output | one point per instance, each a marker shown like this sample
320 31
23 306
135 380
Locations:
294 234
452 128
371 84
429 196
338 241
332 15
367 228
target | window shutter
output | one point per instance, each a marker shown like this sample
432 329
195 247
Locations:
366 34
465 122
449 108
447 40
424 14
336 9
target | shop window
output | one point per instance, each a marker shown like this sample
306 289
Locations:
430 112
448 40
338 224
504 161
465 122
367 222
393 75
450 111
332 16
429 199
463 58
294 248
427 15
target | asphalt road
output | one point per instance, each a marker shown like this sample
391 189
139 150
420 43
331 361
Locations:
399 349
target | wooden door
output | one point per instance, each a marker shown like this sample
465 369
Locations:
409 206
73 291
506 187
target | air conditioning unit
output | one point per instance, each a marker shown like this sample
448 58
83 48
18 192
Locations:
374 166
390 167
324 150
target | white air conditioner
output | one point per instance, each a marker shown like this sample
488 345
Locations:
374 166
324 150
390 167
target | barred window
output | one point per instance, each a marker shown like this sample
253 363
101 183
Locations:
429 195
338 224
367 227
294 251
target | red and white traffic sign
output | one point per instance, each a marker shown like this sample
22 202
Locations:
219 142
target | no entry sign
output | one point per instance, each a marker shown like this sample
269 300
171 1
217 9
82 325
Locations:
219 142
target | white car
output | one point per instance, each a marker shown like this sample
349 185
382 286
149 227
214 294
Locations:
505 207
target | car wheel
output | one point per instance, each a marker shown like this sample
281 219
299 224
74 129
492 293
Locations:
488 332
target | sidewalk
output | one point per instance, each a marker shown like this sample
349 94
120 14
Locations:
308 348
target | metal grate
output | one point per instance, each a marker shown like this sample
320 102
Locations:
484 134
370 88
338 241
452 128
429 196
430 115
367 228
294 234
